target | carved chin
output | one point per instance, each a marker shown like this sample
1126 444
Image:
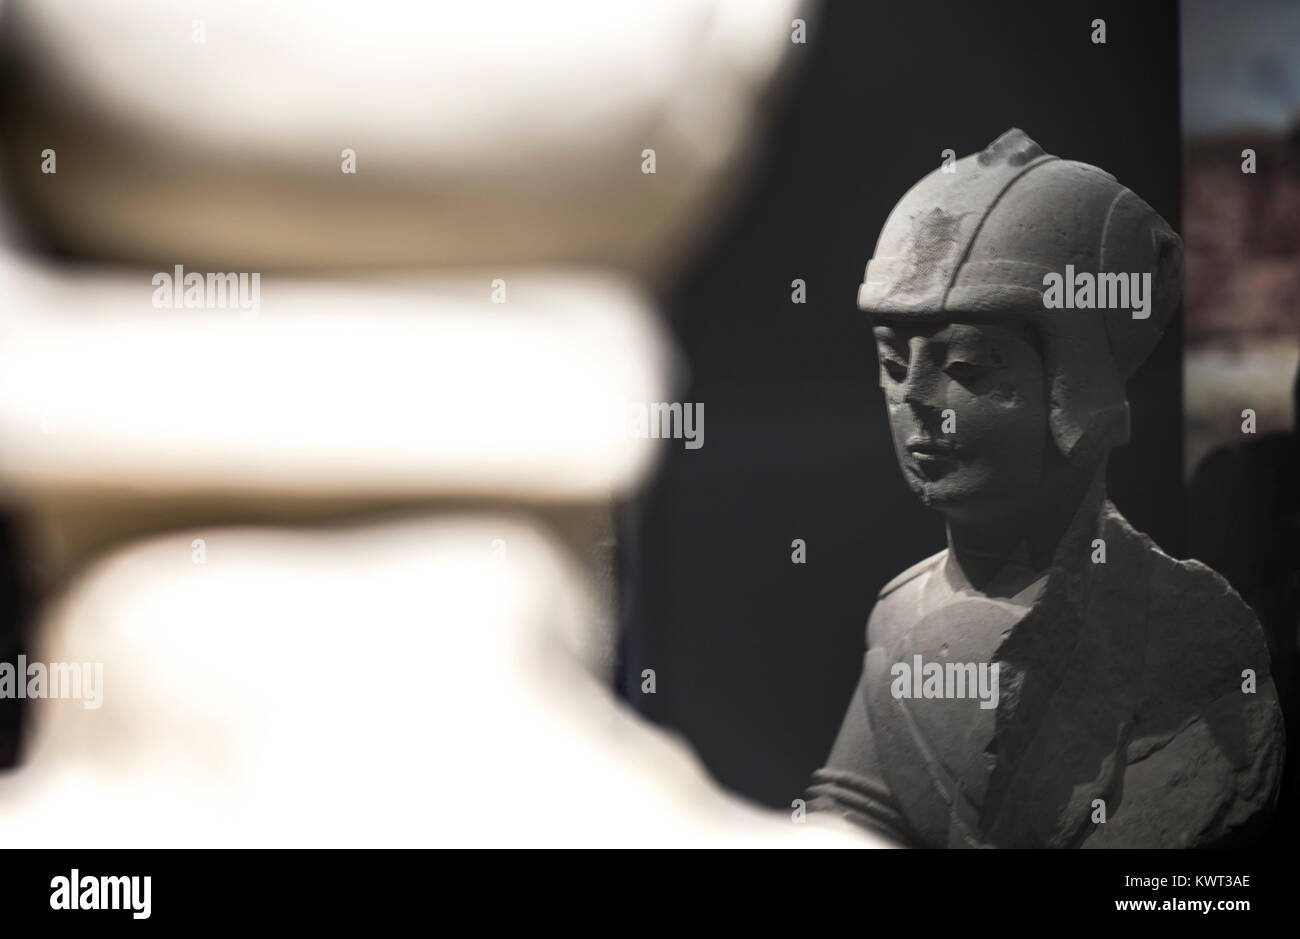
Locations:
956 491
939 481
940 495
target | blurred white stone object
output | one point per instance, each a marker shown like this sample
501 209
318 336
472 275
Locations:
118 418
493 132
435 670
426 681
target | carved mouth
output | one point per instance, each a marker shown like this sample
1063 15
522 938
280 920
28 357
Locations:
933 458
925 448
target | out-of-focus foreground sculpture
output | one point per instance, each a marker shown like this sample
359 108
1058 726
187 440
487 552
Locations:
335 549
1051 678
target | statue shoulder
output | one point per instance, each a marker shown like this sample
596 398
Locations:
1200 635
1191 609
913 572
896 603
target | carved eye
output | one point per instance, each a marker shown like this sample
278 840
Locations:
894 367
966 373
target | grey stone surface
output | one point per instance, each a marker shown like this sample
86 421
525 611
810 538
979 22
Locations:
1134 705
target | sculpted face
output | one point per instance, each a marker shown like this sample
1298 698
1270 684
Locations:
968 408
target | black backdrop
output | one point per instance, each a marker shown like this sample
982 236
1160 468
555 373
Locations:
755 657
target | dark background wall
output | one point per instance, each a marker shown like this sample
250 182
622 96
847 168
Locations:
756 657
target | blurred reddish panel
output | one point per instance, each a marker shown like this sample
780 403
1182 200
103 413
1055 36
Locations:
1242 233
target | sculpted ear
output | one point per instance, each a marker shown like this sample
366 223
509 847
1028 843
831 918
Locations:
1088 412
1139 241
1167 273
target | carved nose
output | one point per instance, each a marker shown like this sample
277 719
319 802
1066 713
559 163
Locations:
922 387
922 392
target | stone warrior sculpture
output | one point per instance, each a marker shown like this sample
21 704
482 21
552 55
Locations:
1051 678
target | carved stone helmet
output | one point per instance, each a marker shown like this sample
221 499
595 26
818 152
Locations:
977 237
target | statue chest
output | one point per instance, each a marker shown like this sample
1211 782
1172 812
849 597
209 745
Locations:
937 685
